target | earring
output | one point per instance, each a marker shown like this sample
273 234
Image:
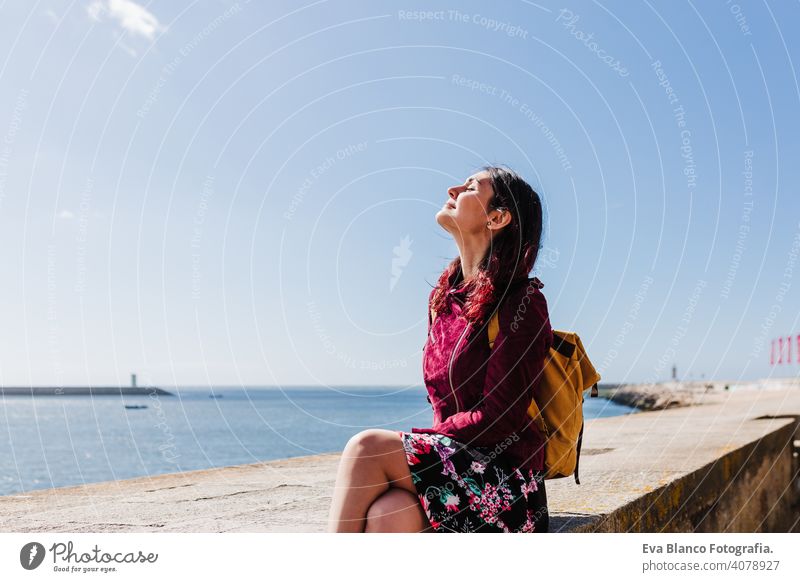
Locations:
488 224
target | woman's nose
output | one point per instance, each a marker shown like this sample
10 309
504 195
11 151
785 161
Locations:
453 192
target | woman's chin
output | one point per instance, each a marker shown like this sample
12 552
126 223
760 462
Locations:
444 217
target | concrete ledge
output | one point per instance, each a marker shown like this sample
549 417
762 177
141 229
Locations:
725 464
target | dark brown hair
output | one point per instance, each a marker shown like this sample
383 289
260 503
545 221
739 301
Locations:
512 252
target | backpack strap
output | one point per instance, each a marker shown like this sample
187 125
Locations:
562 345
494 327
578 456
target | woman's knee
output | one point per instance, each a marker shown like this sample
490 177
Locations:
371 442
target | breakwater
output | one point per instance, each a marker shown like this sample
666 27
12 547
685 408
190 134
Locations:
661 395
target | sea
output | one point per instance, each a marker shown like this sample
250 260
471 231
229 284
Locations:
66 440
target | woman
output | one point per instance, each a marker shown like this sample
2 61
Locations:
481 466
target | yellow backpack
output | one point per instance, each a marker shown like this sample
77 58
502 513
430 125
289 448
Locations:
557 408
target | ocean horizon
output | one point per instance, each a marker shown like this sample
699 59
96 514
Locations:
67 440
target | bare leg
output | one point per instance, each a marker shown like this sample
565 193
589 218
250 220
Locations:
397 510
371 463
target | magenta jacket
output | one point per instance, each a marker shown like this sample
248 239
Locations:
481 397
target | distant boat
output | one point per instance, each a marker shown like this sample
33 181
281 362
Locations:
215 395
135 406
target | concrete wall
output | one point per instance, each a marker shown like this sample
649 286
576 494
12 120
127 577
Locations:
754 488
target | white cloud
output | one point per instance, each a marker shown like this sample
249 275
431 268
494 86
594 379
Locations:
132 17
66 214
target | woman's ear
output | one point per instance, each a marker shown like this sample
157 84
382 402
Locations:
500 217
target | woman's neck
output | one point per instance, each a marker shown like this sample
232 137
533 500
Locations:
472 253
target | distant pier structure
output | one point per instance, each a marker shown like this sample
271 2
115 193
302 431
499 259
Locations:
132 390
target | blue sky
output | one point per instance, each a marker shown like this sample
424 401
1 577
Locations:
244 193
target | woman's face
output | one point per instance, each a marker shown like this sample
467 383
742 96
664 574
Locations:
465 212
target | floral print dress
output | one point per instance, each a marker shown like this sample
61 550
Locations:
473 489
